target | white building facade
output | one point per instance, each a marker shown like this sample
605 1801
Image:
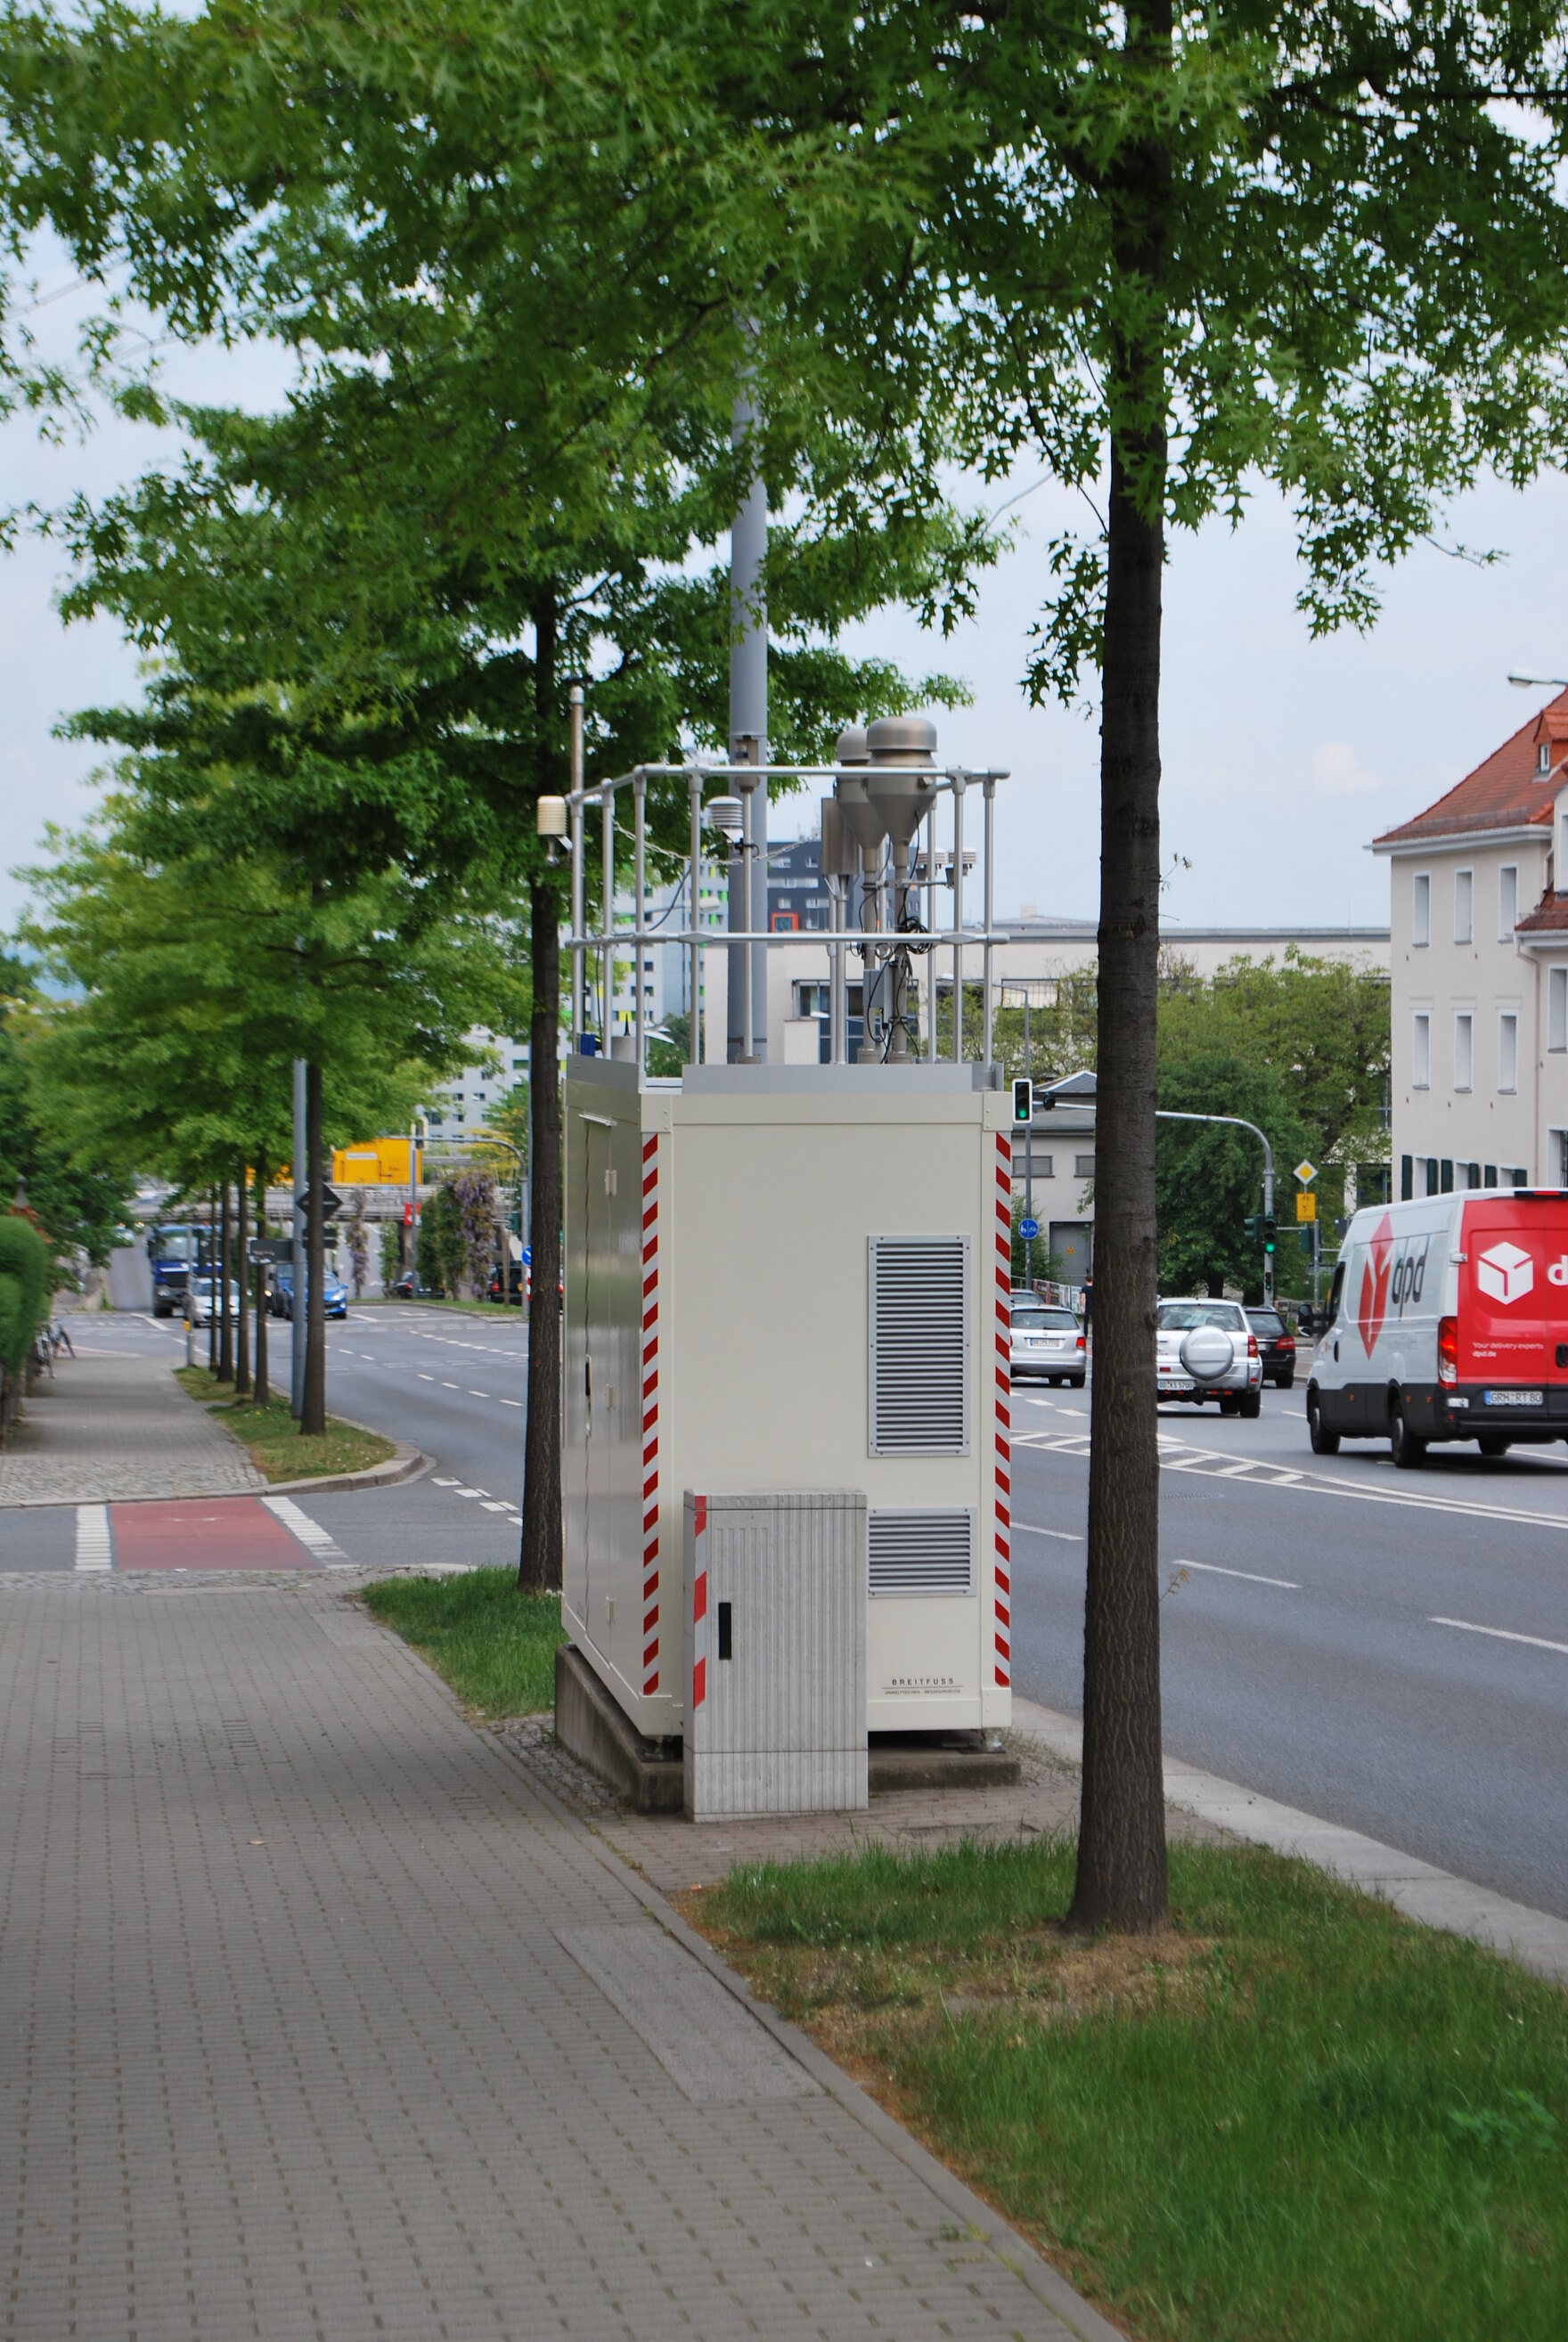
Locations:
1478 973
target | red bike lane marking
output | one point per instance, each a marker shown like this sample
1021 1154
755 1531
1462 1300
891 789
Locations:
203 1532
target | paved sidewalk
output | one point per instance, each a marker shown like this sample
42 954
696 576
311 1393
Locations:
322 2019
118 1427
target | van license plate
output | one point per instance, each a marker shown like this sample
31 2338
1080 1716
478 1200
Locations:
1514 1398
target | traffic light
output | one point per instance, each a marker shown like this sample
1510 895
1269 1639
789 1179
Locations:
1252 1227
1023 1099
1268 1229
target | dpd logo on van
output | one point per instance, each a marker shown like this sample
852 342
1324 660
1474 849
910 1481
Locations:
1372 1305
1505 1274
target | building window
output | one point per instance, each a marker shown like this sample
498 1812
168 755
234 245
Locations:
1557 1007
1544 756
1463 1052
1431 1186
1489 1176
1518 1178
1406 1177
1083 1166
1508 1052
1507 902
1463 905
1420 909
1557 1156
1421 1051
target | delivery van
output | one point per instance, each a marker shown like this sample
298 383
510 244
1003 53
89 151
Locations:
1448 1319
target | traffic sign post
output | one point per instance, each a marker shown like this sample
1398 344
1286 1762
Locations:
1028 1229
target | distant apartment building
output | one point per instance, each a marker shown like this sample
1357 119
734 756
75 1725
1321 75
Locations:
1479 973
458 1106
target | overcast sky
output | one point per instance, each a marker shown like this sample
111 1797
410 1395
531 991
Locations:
1282 757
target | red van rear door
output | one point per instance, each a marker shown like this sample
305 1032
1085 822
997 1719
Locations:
1506 1297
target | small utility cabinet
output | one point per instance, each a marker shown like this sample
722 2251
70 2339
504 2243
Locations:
786 1432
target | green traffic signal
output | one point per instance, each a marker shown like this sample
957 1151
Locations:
1268 1229
1023 1099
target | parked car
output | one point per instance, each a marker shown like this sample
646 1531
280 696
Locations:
334 1289
407 1287
1205 1349
513 1293
1448 1319
1277 1345
203 1300
1046 1341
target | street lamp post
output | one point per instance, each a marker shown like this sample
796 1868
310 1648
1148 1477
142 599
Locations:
1169 1113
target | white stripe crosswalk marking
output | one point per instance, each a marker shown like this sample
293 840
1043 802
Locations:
92 1548
318 1542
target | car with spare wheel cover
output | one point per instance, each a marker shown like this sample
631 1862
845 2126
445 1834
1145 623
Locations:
1447 1320
1046 1340
1204 1349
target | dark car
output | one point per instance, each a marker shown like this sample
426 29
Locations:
513 1293
1276 1347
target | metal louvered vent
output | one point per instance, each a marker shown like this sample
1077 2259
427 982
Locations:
919 1345
921 1553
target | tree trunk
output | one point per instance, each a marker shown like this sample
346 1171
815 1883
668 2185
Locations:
263 1393
1121 1875
242 1278
226 1324
212 1280
539 1558
313 1407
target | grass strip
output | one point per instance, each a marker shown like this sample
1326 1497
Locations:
273 1439
495 1646
1292 2117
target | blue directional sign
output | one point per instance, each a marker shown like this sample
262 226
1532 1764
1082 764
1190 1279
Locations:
527 1256
1028 1230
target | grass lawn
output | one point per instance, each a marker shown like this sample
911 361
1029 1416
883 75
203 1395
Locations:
272 1438
495 1647
1292 2117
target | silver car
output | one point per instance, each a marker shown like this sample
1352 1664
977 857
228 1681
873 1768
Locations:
1206 1349
204 1304
1046 1341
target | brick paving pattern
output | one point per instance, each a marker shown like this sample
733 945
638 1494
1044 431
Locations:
118 1427
301 2033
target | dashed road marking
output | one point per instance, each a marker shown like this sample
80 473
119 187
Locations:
1498 1633
318 1542
92 1548
1253 1576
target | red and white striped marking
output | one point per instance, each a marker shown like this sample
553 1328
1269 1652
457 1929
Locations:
1004 1465
699 1607
650 1415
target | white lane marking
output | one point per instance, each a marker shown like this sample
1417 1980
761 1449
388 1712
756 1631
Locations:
451 1386
511 1402
92 1550
1213 1570
317 1542
496 1505
1201 1461
447 1484
472 1492
366 1356
1068 1537
1498 1633
426 1378
473 1394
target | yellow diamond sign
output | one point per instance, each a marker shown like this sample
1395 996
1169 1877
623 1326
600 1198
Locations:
1306 1172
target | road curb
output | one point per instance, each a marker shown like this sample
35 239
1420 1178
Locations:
404 1464
1532 1939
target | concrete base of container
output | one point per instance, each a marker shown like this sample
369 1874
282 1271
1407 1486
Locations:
590 1723
944 1760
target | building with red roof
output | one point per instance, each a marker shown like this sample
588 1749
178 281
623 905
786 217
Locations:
1479 972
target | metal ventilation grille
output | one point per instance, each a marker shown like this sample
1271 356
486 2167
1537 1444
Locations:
919 1345
921 1553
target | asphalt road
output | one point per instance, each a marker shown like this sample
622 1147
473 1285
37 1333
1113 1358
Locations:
1388 1650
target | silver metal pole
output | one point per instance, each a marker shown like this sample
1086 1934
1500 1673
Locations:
958 781
639 862
577 969
608 926
931 930
749 737
695 911
297 1307
837 1021
989 787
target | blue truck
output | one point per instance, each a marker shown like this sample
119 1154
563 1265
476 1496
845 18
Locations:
177 1251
